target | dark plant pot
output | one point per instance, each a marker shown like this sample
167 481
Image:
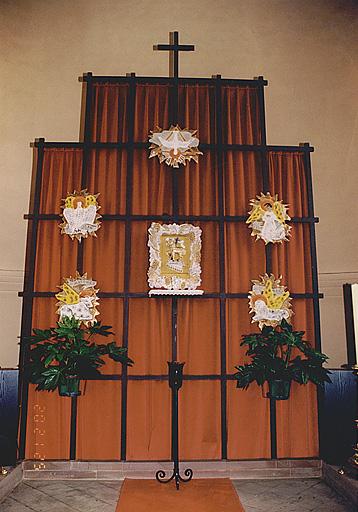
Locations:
279 389
71 387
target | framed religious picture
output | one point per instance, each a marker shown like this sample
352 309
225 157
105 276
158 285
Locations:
174 259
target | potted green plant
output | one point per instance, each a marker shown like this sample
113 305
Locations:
279 355
60 357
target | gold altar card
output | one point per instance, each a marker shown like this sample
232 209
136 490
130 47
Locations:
269 301
78 298
174 259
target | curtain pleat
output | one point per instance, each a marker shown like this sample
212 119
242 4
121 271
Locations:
104 252
56 257
148 420
248 411
61 176
152 188
242 180
110 114
197 187
241 115
297 430
99 421
199 336
199 420
107 177
245 258
151 110
149 336
197 110
287 178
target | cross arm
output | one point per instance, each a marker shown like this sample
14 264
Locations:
180 47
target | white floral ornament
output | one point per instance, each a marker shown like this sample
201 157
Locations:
80 215
269 301
174 259
78 299
174 146
267 219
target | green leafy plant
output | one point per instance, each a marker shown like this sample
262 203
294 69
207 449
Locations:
68 351
275 357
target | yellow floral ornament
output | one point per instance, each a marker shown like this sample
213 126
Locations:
80 215
174 146
269 301
267 219
78 299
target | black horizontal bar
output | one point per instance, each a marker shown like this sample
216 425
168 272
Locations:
167 218
185 377
145 295
174 47
118 377
254 82
144 145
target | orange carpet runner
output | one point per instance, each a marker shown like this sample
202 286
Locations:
202 495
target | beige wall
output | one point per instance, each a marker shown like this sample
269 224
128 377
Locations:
307 50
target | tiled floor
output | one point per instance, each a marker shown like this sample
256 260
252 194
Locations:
298 495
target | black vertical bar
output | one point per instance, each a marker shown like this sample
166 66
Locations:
127 257
174 102
268 247
314 268
29 281
175 427
87 134
73 429
220 178
174 114
174 329
174 55
349 321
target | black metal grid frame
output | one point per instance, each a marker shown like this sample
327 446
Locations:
34 216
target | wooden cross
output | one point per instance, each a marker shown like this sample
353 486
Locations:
174 48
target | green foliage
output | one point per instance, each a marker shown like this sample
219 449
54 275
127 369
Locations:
68 351
271 352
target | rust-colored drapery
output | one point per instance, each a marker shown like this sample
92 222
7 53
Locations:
149 338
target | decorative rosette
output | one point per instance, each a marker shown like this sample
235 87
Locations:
269 301
78 299
80 215
267 219
174 146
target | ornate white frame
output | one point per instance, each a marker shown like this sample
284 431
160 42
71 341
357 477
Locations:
174 285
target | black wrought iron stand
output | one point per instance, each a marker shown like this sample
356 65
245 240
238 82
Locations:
175 382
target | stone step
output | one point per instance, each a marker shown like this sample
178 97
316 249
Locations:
259 469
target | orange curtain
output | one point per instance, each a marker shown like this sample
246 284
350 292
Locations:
241 115
297 432
109 112
48 416
149 338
